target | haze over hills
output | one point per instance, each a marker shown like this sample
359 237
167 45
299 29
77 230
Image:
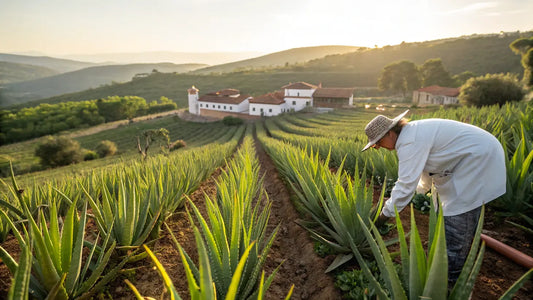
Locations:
209 58
281 58
87 78
15 72
96 76
57 64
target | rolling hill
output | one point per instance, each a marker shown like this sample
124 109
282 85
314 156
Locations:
282 58
174 86
57 64
88 78
15 72
481 54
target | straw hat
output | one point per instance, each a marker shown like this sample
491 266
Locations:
379 126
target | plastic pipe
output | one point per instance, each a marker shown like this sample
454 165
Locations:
508 251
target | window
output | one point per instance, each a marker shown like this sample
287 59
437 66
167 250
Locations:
231 108
207 105
201 105
298 94
261 110
224 107
253 109
270 110
219 106
307 103
293 102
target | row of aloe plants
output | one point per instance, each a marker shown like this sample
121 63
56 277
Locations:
128 203
232 239
346 152
512 124
162 180
422 275
329 199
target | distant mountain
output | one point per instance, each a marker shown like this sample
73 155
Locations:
209 58
87 78
282 58
57 64
14 72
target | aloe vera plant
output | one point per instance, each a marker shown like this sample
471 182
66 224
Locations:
329 199
200 280
232 241
238 219
424 275
58 270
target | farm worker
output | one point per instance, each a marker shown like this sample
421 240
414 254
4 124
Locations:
465 163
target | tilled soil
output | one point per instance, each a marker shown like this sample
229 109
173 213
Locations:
293 249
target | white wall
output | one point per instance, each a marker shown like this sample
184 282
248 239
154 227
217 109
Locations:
267 109
298 104
193 104
423 98
299 93
237 108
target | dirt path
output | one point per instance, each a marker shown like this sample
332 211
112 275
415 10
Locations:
293 246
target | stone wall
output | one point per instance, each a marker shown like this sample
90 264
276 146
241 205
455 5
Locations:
221 114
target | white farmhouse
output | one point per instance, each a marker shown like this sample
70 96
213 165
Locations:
293 97
436 95
299 95
226 100
271 104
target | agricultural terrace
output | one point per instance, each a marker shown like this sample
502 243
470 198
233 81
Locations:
279 208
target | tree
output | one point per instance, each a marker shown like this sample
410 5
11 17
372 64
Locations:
59 151
524 47
152 136
461 78
434 73
400 76
491 89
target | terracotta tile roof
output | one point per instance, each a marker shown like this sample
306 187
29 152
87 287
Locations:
275 98
192 90
438 90
228 92
223 99
333 92
300 86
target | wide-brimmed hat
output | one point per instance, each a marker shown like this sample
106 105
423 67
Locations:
379 126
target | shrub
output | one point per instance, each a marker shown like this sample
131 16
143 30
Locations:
491 89
59 151
231 121
106 148
90 155
177 144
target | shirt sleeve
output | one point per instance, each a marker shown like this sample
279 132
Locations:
424 185
412 158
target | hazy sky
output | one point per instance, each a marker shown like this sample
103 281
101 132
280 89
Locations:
105 26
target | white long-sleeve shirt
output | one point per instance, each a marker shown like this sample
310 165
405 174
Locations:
466 164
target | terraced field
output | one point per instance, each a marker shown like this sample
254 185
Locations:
254 211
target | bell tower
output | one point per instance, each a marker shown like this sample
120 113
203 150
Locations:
193 100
